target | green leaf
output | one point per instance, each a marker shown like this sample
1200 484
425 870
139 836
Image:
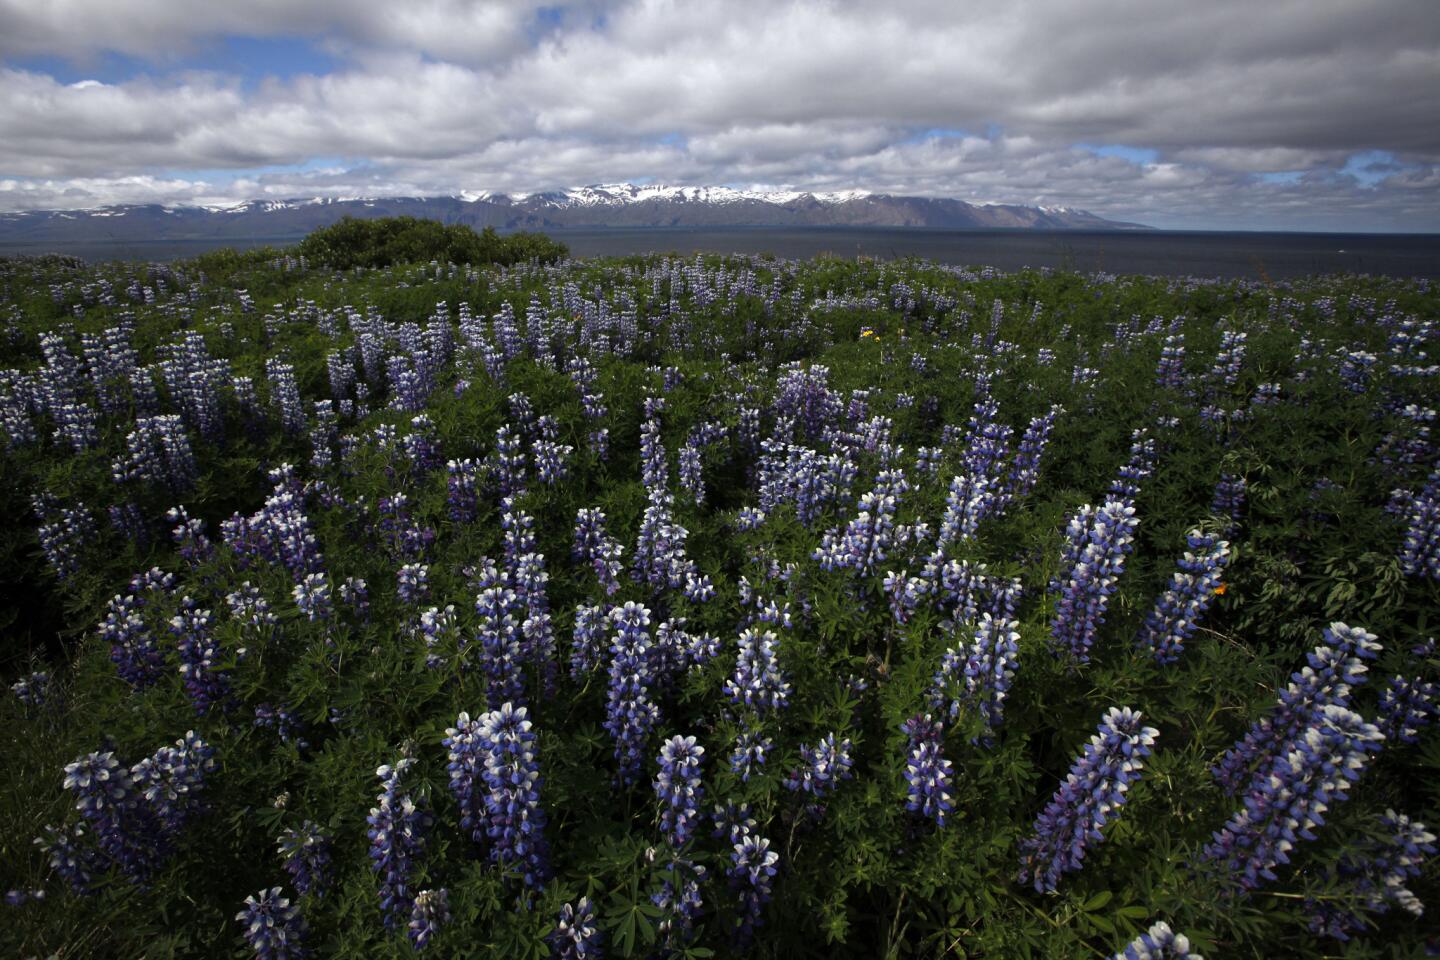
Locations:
1098 901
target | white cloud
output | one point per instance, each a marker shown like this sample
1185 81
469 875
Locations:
444 95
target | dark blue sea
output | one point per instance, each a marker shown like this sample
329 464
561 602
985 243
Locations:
1256 256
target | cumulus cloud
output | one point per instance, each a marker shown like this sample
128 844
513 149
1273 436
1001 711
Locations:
1235 114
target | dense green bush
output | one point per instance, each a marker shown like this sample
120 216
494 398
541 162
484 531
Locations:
383 241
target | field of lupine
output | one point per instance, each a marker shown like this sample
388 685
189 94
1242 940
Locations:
716 607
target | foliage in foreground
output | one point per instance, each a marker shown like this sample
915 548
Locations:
731 606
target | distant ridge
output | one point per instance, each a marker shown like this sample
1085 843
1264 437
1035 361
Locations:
602 205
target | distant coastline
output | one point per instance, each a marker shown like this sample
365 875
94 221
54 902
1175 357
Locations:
1252 256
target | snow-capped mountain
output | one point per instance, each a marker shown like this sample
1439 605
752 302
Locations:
599 205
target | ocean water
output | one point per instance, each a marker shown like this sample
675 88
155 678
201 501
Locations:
1254 256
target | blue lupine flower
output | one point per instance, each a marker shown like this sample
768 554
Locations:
749 754
467 761
273 926
979 674
751 873
630 714
312 596
1097 543
1158 943
1190 593
927 772
1420 550
1333 668
678 787
199 648
430 913
680 901
1091 796
412 583
758 681
1290 794
1408 704
595 548
512 799
306 854
822 768
397 838
1377 874
576 936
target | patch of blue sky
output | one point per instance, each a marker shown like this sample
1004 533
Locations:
1136 155
1369 167
250 59
547 20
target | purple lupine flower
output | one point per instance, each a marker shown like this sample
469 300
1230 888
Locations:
199 648
1333 668
63 534
680 901
170 781
1377 873
591 623
355 594
660 559
1097 543
285 394
1170 372
462 484
758 682
928 774
499 636
397 828
751 873
576 935
1158 943
467 762
312 596
749 754
1230 358
305 851
1229 499
1091 796
1025 471
979 674
509 462
550 460
595 548
70 858
33 689
630 714
1140 466
412 583
1420 550
106 796
430 912
133 649
1408 704
1190 593
822 767
512 801
273 926
867 538
1291 793
678 788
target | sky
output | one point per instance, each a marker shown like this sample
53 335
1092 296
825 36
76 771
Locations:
1181 114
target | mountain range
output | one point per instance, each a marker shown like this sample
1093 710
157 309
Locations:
606 205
